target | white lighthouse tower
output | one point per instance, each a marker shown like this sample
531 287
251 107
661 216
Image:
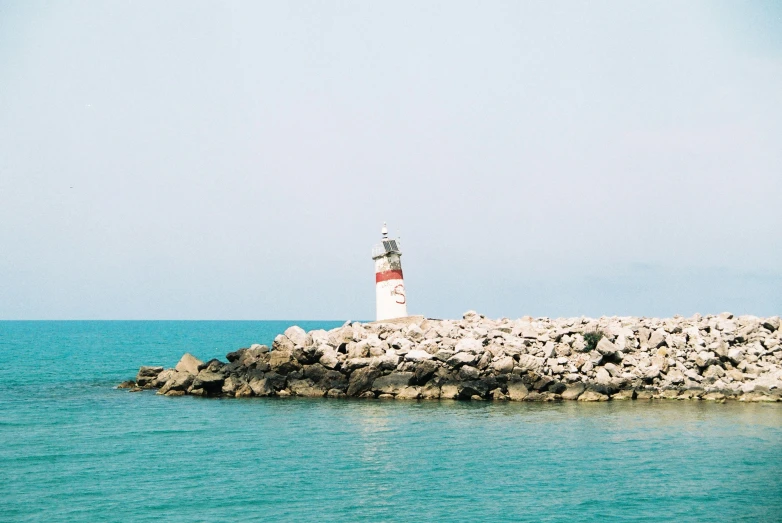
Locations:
389 285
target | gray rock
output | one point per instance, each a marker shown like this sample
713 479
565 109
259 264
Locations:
467 372
179 381
573 391
392 383
147 375
591 395
209 382
306 388
424 371
517 391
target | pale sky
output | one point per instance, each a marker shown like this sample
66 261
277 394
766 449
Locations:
236 160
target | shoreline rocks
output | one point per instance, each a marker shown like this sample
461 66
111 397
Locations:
714 358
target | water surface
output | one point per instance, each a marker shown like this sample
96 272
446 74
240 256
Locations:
75 449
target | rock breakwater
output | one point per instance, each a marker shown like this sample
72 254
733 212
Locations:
711 357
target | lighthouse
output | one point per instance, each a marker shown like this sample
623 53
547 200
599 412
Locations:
389 285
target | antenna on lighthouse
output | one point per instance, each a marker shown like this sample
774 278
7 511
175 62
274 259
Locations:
389 284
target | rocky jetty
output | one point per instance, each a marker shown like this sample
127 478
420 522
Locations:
715 358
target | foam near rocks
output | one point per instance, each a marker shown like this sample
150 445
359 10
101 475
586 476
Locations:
715 357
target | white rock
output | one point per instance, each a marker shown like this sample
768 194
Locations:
418 355
504 365
189 364
298 336
469 345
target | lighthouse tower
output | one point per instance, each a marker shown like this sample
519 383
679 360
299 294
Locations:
389 286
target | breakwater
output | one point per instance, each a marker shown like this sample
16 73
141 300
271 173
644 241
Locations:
715 357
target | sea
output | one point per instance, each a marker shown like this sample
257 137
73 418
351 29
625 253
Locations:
74 448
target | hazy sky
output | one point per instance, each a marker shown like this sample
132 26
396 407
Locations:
236 160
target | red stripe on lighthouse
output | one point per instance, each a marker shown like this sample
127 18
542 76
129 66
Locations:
388 275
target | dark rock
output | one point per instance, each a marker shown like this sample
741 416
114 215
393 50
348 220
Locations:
210 382
305 355
334 380
259 387
361 380
306 388
296 374
213 365
315 372
234 356
392 383
276 381
556 387
255 355
179 381
129 384
468 372
472 388
283 362
603 388
233 368
542 384
424 372
146 375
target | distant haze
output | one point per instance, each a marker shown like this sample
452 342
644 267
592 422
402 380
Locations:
236 160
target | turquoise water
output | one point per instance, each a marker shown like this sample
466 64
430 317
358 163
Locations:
75 449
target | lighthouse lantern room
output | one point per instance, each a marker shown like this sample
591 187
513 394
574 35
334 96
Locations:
389 284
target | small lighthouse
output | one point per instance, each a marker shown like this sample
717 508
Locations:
389 285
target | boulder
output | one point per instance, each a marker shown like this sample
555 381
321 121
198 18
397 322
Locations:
209 382
591 395
466 372
469 345
424 371
449 391
147 375
333 379
627 394
261 387
517 391
462 358
392 383
418 355
298 336
605 347
409 393
469 389
361 380
282 362
189 364
503 365
528 362
573 391
329 358
179 381
306 388
602 376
